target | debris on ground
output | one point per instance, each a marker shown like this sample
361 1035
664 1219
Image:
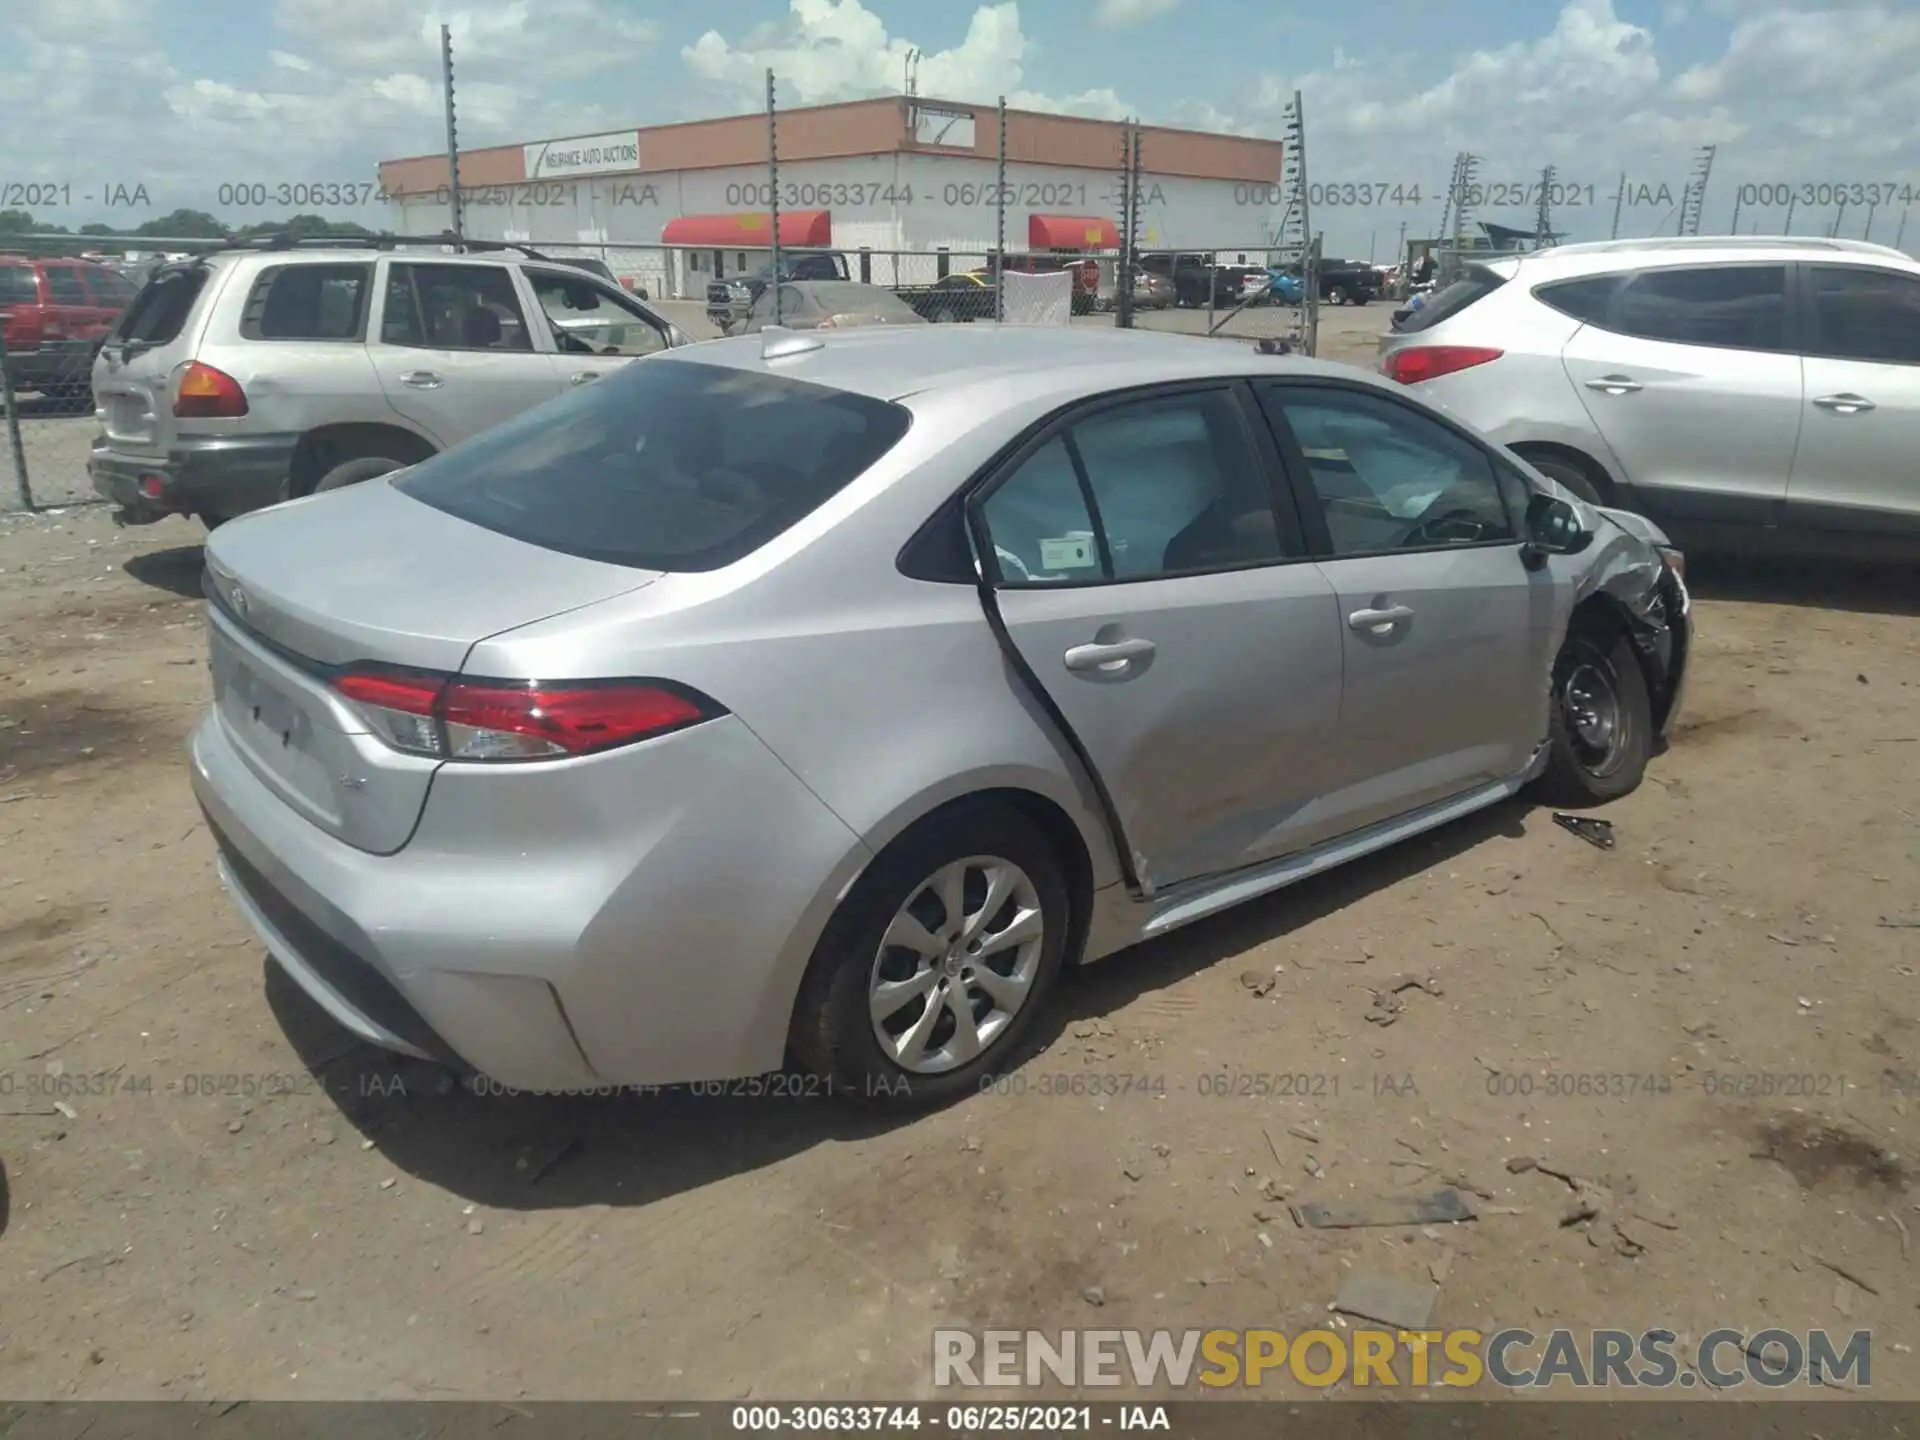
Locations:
1597 833
1094 1296
1439 1207
1403 1304
1258 982
1387 1005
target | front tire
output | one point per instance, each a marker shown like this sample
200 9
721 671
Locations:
353 472
1338 294
1600 725
934 969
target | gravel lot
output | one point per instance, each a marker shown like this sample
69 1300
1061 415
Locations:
258 1206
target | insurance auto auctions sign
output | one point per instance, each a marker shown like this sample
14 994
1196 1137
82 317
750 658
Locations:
585 155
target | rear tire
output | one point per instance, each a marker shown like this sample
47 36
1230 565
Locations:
836 1034
1568 475
1338 294
353 472
1600 725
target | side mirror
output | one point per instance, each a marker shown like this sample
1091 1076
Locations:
1553 528
676 337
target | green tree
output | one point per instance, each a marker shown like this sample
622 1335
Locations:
16 222
185 225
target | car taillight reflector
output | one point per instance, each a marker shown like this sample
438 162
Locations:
207 393
456 719
1429 362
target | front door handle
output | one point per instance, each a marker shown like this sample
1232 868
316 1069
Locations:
1110 657
1614 385
422 380
1845 404
583 377
1381 621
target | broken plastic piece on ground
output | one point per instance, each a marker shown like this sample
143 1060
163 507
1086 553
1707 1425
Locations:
1440 1208
1598 833
1271 346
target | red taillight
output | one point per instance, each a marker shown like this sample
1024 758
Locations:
455 719
205 393
1429 362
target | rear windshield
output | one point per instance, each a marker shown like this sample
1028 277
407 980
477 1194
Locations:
159 312
663 465
1475 285
17 286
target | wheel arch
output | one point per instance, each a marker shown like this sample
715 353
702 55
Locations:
1602 611
325 446
1605 482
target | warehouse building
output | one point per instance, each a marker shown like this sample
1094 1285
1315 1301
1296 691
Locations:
676 205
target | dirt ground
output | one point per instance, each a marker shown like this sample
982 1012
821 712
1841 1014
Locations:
255 1206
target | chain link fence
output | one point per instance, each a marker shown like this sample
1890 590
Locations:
1239 292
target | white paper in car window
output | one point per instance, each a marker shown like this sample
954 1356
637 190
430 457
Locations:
1069 552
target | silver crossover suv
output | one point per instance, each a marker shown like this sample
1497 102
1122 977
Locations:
818 696
270 369
1742 392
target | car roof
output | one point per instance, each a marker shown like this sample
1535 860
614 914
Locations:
1605 256
891 364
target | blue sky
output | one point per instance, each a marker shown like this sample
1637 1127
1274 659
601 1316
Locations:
183 94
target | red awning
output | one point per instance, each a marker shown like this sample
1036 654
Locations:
1071 232
751 230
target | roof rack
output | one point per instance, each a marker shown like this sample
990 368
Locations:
1727 242
446 240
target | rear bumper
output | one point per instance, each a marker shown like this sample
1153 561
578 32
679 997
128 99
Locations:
588 923
221 476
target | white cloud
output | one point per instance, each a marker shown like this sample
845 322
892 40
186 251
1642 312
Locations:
1116 14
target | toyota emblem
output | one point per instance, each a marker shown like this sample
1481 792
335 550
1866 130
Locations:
238 599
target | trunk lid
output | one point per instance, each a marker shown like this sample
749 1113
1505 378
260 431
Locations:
133 374
365 575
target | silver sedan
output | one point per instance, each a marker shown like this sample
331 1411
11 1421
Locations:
814 698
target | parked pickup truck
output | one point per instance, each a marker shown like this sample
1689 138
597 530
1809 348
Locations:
730 300
1198 280
1348 282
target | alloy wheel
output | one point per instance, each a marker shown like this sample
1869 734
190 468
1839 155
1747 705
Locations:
956 964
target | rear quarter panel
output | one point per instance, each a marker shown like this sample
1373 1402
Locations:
1524 397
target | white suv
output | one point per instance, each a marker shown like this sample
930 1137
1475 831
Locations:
263 371
1737 391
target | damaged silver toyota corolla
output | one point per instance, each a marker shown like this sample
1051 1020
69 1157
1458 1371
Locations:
817 696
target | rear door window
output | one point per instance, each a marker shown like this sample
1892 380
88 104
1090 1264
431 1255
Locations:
1863 314
308 302
670 466
17 285
1726 307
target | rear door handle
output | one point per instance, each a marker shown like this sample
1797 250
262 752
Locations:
1847 404
1614 385
583 377
422 380
1110 657
1381 621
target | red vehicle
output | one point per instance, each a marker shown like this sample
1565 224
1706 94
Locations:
54 314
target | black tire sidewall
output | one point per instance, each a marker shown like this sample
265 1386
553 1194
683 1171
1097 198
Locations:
833 1035
1567 475
357 470
1566 779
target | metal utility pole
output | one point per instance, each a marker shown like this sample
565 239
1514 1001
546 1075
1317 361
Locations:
1543 213
1787 229
773 192
458 224
1453 194
1402 262
1000 221
1462 209
912 79
1734 228
1693 199
1296 226
1619 199
1867 232
1123 270
1838 215
1901 233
